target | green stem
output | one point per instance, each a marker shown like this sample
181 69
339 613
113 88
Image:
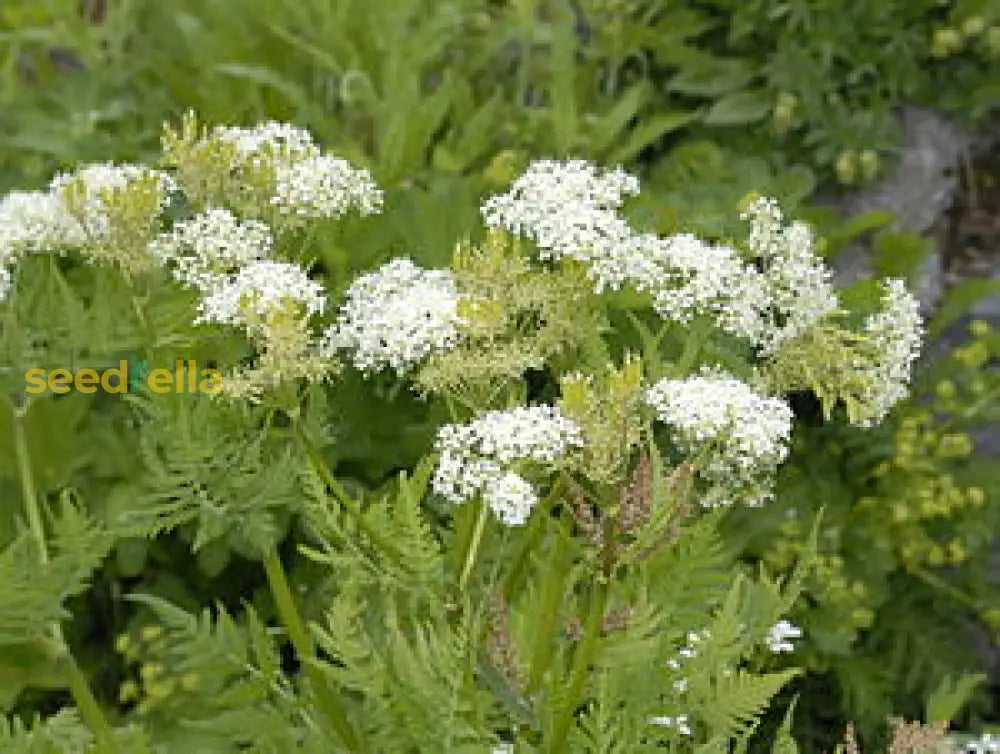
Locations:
76 681
536 524
298 633
473 546
936 582
550 600
319 465
581 663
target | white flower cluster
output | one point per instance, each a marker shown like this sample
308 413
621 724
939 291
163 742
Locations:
325 186
211 244
261 289
271 137
570 210
479 458
396 316
744 434
685 275
794 289
97 180
895 334
988 743
32 222
778 636
308 183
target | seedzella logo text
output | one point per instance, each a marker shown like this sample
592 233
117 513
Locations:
129 376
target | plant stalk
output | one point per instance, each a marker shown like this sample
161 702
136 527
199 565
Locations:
581 662
76 681
319 465
305 648
473 546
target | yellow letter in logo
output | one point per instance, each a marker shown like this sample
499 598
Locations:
211 380
36 381
60 381
161 381
86 381
121 373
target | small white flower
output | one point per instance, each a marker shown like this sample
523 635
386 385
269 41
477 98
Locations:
5 283
396 316
476 458
895 334
797 288
259 290
35 221
97 180
746 434
680 722
324 186
511 498
503 749
569 209
778 636
686 276
211 244
988 743
281 140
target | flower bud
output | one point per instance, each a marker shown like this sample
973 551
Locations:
973 26
846 167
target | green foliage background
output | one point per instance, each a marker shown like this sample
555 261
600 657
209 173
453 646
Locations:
446 101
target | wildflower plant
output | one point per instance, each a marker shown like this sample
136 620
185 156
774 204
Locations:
549 575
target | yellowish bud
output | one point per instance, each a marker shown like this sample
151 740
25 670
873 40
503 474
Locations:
973 26
946 389
869 164
846 167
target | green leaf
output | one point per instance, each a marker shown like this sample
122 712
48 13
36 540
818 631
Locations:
958 300
646 134
739 107
711 77
951 695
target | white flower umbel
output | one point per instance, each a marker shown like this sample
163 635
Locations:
778 636
35 221
479 458
511 497
742 435
278 140
396 316
895 336
324 186
88 190
685 275
797 289
569 209
210 245
260 290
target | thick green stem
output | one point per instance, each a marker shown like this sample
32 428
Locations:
473 546
76 681
320 467
551 599
581 663
298 633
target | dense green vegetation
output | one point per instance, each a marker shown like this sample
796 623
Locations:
154 536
